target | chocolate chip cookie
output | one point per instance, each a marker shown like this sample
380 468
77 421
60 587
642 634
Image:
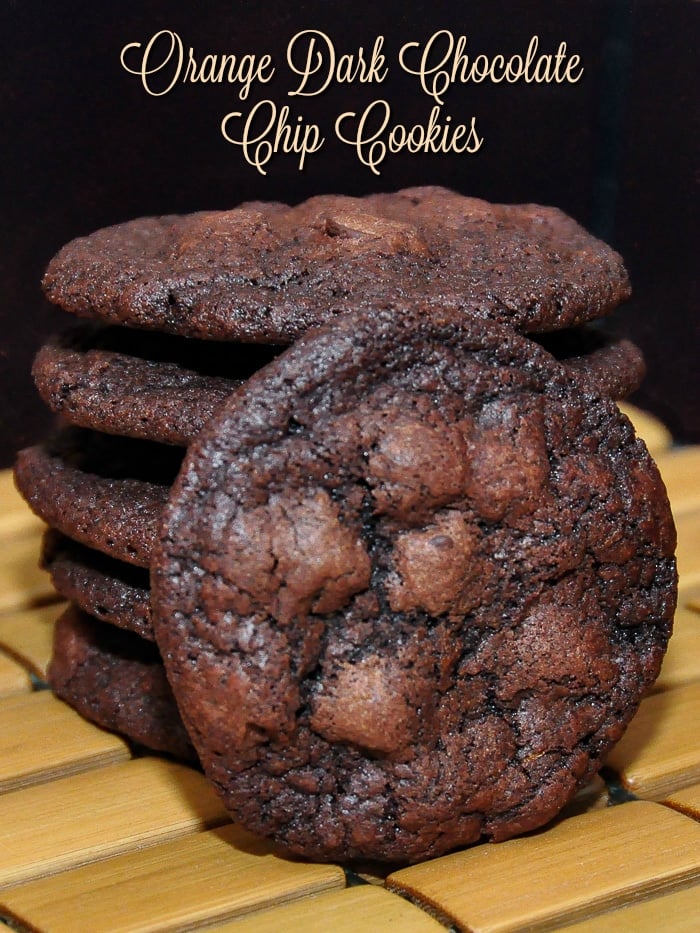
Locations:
106 493
150 386
411 585
266 272
117 680
122 391
107 589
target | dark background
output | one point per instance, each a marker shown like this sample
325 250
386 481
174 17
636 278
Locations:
84 146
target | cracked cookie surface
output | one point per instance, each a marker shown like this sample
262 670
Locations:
410 587
266 272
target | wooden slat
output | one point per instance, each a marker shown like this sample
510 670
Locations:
578 867
653 432
680 469
42 738
22 584
15 515
197 879
688 550
682 662
78 819
354 909
687 800
675 913
660 751
28 636
689 598
13 677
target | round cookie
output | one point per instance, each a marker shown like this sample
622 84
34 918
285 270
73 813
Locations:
107 589
106 493
266 272
117 680
157 387
410 587
161 400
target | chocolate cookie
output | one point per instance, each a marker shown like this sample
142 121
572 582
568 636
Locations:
127 394
128 383
411 585
267 272
104 492
107 589
117 680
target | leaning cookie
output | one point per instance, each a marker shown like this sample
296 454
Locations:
411 585
266 272
117 680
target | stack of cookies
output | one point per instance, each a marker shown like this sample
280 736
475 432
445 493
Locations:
345 510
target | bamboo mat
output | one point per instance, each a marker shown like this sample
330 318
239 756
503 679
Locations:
95 839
